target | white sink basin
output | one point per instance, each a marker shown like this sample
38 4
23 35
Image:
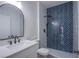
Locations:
20 45
16 46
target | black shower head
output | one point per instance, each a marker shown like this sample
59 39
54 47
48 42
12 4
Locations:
48 16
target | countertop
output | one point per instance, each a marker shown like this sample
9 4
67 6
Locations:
8 50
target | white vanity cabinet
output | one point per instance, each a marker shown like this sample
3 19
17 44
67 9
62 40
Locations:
26 53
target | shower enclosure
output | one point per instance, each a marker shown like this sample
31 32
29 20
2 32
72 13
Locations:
60 27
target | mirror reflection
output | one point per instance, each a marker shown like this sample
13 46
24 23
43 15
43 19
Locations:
11 21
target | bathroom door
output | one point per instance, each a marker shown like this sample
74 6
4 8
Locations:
60 27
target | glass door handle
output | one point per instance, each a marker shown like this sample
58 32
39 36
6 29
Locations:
62 30
62 34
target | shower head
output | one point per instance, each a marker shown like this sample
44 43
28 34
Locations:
48 16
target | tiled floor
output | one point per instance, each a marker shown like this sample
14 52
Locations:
49 56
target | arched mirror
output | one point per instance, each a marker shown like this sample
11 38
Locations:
11 21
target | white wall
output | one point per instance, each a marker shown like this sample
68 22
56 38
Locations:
75 25
78 27
42 26
29 9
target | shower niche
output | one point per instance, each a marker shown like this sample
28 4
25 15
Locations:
11 21
60 27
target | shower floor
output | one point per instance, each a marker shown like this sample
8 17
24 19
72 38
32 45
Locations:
61 54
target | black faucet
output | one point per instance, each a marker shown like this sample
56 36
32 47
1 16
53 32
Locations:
11 37
15 41
14 37
10 42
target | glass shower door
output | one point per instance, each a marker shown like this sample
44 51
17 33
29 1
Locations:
60 27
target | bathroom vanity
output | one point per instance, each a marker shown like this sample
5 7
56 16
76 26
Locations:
24 49
12 29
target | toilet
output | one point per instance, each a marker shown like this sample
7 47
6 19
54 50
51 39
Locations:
42 52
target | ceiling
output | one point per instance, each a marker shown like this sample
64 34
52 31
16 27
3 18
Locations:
48 4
